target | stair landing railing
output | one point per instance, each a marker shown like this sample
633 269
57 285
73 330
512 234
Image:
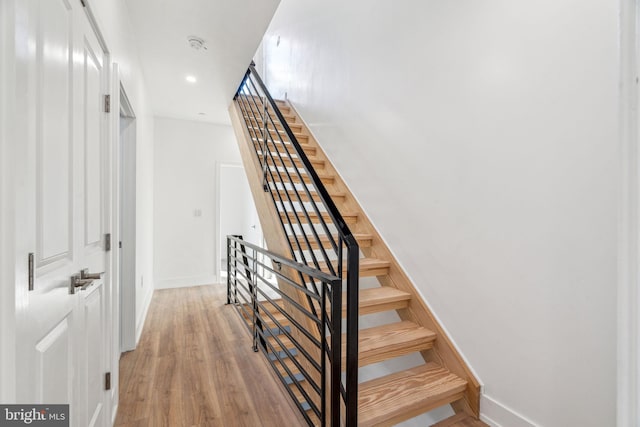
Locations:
307 364
318 235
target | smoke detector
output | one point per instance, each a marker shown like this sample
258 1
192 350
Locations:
196 43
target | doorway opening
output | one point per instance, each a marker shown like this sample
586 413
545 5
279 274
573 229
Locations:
237 214
127 243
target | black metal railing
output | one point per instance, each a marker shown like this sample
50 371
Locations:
318 235
308 365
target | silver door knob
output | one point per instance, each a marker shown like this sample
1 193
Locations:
77 281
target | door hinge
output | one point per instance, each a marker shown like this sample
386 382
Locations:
107 381
31 271
107 103
120 244
107 242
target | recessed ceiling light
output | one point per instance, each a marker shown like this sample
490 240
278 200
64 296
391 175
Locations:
191 79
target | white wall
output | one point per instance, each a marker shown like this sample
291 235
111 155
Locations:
7 209
186 155
113 19
481 137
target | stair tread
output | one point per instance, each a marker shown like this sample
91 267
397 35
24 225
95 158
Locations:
402 395
305 147
368 267
285 156
392 340
349 218
286 116
460 420
283 132
256 120
324 177
305 197
364 240
318 164
371 298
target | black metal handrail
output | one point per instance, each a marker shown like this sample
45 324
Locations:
318 377
307 214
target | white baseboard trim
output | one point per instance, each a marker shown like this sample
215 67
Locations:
143 317
496 414
185 282
114 414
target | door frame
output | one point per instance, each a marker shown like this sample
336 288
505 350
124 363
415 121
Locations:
110 398
628 342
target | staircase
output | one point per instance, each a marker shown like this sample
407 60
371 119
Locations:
268 129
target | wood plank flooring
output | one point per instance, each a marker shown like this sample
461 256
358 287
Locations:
461 420
194 367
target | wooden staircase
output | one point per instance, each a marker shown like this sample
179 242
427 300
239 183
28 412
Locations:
444 378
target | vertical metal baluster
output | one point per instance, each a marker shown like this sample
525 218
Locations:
336 354
254 299
265 132
235 272
228 271
351 369
324 353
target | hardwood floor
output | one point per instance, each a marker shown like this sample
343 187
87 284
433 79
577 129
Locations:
194 367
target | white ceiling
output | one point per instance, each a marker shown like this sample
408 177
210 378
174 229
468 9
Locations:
232 30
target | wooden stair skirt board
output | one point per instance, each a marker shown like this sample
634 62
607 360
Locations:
444 378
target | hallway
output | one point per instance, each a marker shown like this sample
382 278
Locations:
194 366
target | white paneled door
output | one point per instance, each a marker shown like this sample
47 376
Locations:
64 331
